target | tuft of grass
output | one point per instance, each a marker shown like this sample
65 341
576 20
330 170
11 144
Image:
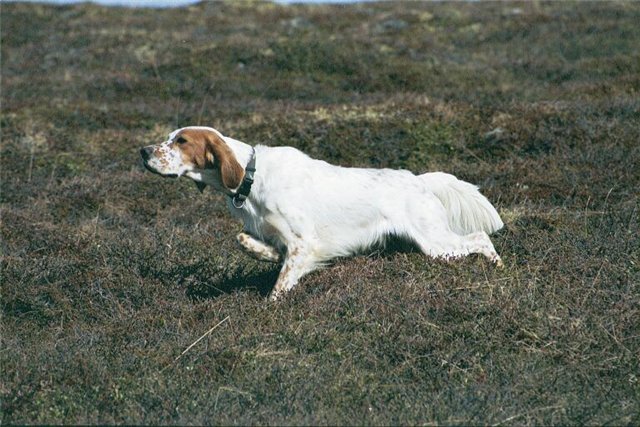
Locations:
109 273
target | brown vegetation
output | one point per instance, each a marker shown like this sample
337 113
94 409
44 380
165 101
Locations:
110 273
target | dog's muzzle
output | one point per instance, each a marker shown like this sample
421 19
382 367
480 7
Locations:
146 153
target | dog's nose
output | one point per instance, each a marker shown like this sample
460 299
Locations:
145 152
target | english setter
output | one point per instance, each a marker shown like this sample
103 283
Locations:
303 212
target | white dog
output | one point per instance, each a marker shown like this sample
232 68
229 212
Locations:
304 212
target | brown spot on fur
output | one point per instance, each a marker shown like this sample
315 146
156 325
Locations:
207 150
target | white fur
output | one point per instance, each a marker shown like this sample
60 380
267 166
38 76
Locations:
467 209
309 211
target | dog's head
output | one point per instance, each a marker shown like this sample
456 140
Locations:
196 152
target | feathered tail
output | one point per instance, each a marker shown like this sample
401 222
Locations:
467 209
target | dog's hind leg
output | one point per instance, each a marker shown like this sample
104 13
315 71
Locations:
258 249
480 243
450 245
433 234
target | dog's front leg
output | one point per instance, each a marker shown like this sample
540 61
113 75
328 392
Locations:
258 249
297 263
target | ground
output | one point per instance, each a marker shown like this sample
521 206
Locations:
110 273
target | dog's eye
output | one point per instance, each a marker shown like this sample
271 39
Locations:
181 140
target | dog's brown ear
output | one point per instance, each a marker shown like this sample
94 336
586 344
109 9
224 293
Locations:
201 185
220 156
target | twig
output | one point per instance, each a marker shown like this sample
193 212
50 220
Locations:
525 413
604 207
33 152
204 101
199 339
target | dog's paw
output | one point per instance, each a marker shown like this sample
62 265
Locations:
275 296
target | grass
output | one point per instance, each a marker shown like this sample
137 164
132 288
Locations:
109 273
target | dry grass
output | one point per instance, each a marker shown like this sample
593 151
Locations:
109 273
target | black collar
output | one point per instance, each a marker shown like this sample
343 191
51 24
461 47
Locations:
243 191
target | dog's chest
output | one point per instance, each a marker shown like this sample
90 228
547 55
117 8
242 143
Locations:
260 223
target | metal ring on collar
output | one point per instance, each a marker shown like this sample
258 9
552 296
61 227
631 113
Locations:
236 204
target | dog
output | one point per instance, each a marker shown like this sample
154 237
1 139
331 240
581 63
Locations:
303 212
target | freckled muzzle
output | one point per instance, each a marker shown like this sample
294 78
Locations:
148 156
